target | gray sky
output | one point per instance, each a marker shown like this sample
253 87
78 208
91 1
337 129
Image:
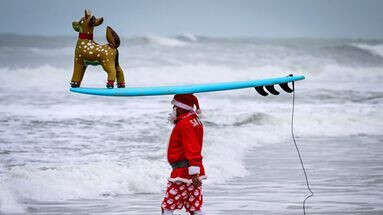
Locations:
259 18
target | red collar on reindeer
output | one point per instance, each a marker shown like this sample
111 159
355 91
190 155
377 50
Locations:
85 36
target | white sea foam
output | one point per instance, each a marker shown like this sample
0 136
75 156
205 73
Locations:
95 180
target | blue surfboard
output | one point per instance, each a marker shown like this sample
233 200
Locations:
193 88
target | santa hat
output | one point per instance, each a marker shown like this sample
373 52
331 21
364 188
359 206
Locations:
186 102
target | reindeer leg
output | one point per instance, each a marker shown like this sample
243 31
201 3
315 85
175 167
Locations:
120 73
110 69
120 77
78 74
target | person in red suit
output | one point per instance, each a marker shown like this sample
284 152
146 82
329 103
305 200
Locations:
184 188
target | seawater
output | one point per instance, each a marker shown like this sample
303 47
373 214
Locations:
56 146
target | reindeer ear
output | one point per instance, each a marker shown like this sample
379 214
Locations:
98 21
76 26
92 21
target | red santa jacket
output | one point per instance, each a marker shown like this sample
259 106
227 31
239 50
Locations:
185 144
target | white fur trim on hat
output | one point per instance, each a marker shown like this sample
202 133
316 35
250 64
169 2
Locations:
182 105
193 170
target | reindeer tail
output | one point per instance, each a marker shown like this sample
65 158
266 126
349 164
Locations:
112 37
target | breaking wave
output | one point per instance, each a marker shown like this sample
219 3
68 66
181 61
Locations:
374 49
165 41
188 37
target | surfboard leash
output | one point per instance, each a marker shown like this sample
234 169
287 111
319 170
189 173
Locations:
298 152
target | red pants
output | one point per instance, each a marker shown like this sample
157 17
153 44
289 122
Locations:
179 195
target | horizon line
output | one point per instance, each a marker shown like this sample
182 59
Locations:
2 34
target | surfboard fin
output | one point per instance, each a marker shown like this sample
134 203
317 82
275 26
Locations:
272 90
286 88
261 91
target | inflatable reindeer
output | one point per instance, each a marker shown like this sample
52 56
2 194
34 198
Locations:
89 52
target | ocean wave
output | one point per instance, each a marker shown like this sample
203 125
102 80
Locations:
90 181
243 119
374 49
189 49
165 41
188 37
53 52
55 79
350 55
256 118
341 96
